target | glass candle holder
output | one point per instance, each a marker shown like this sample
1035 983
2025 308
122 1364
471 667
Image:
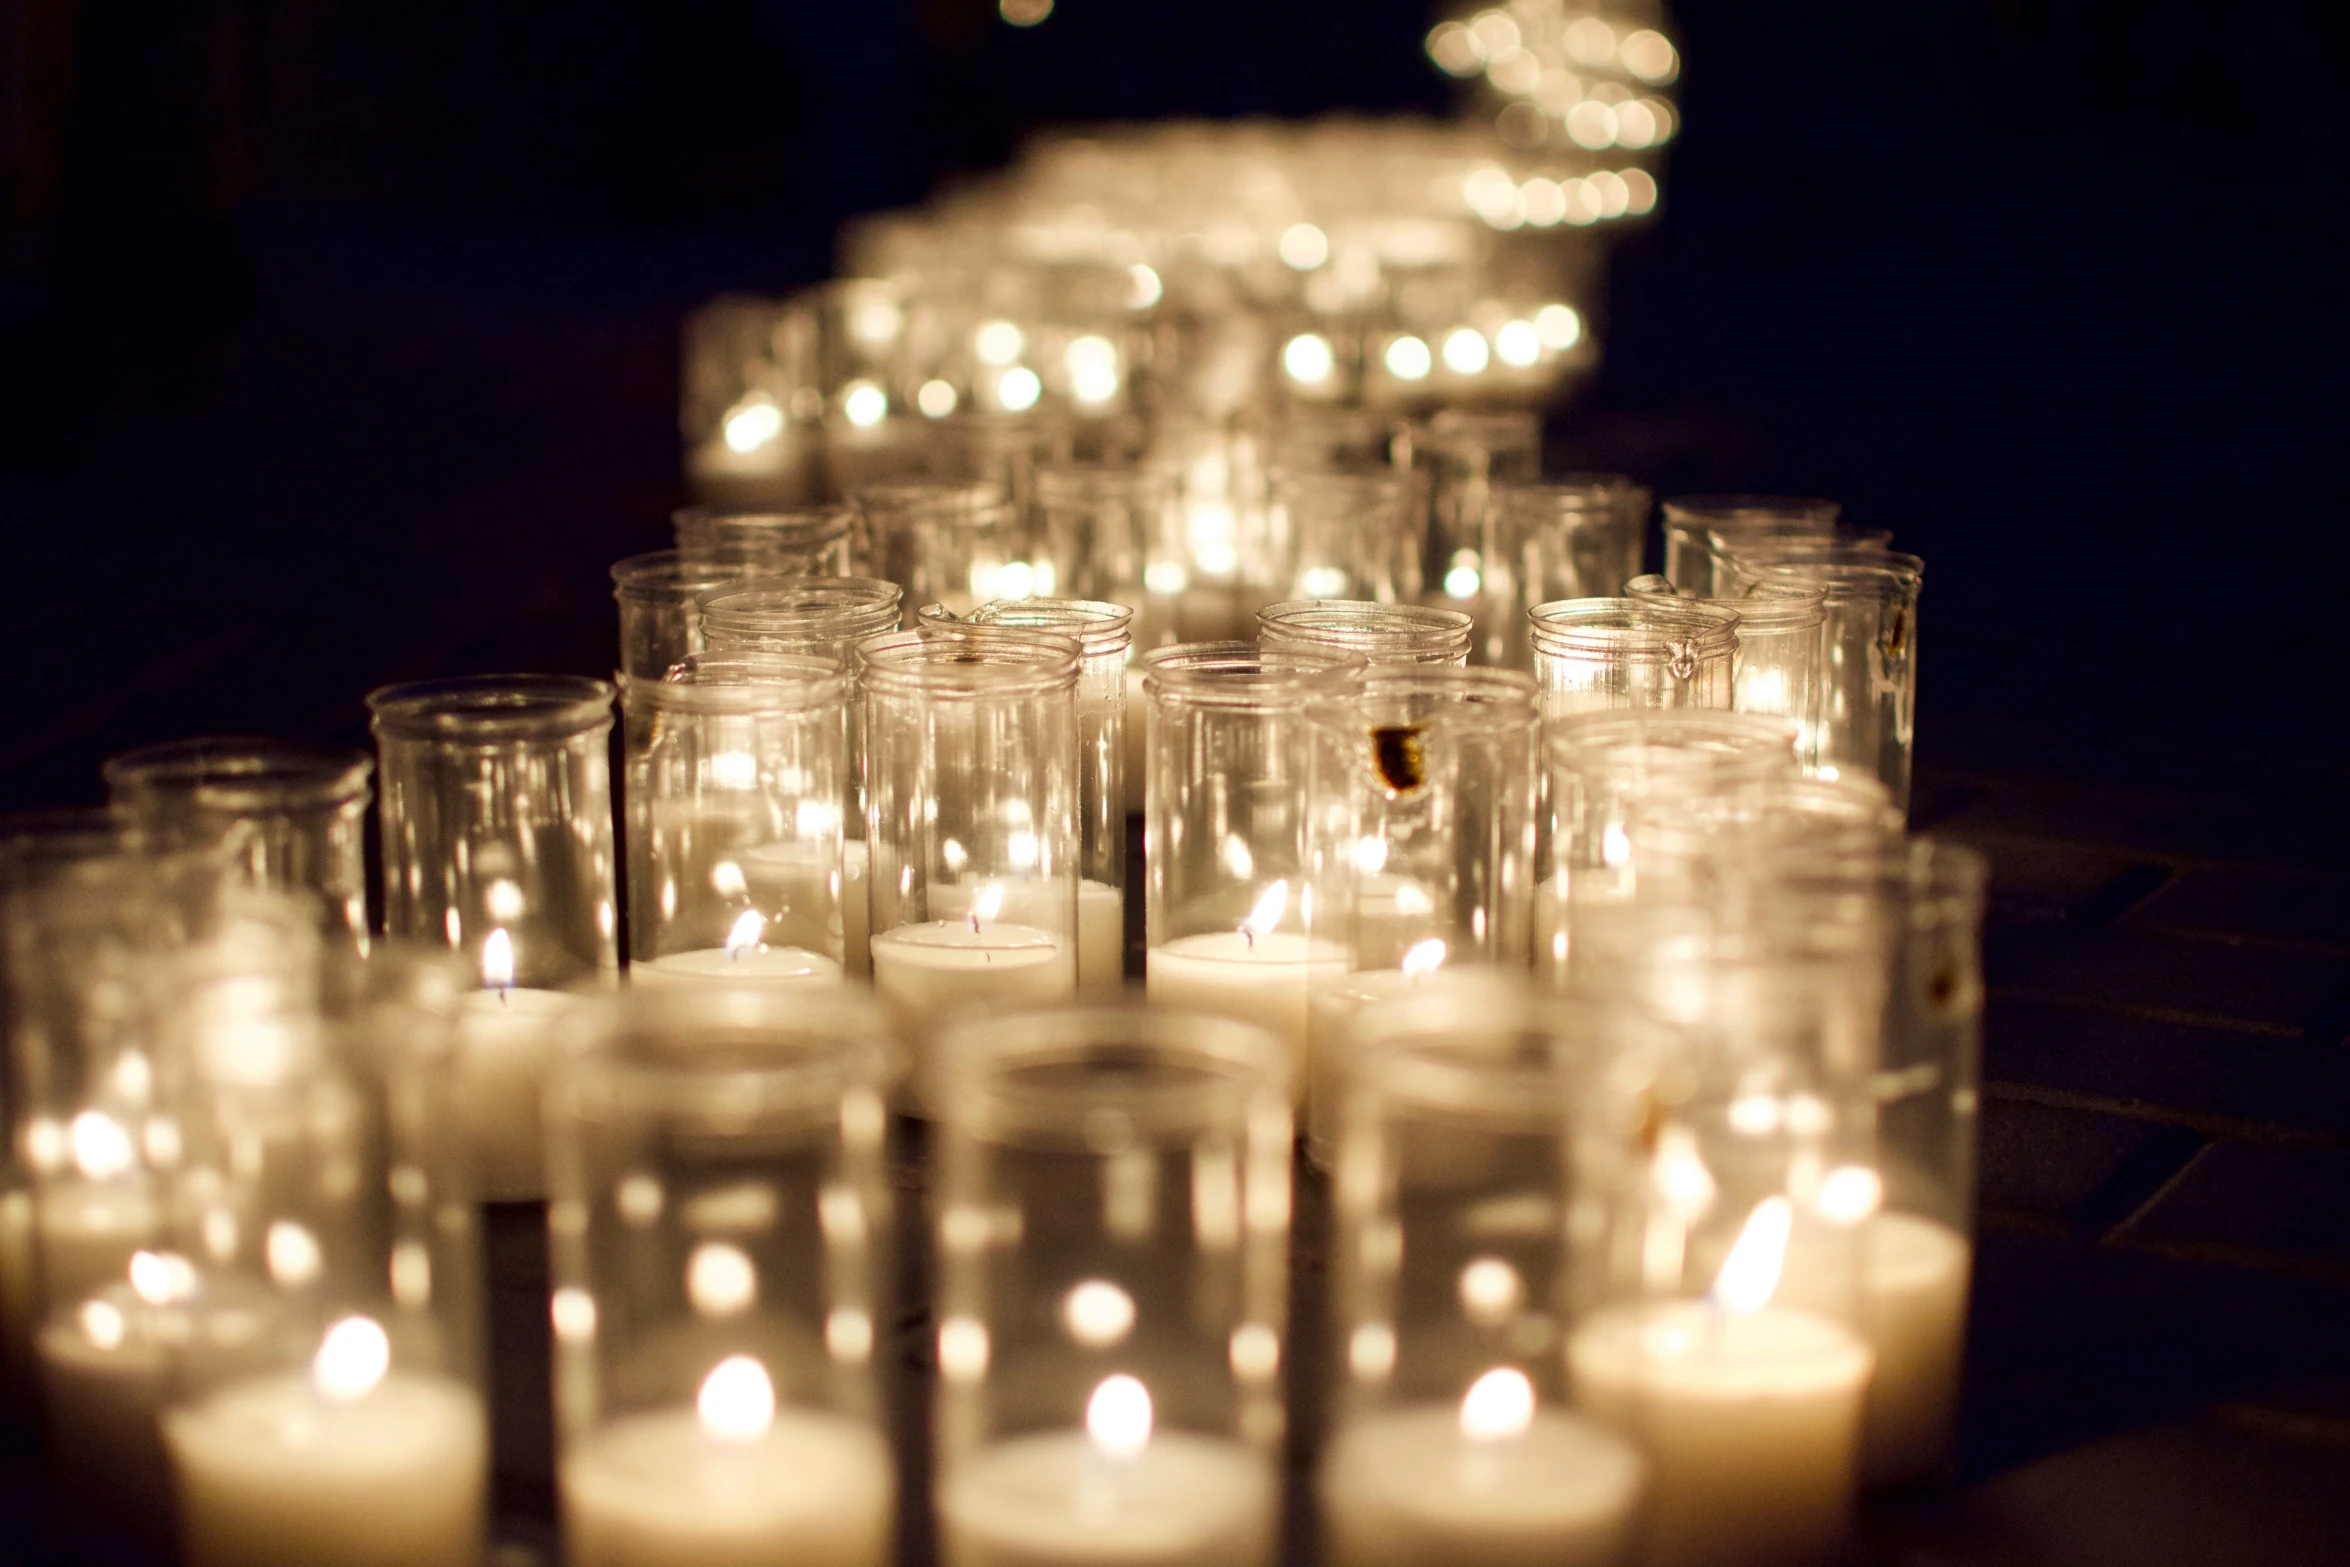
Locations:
1112 1239
971 778
785 541
1781 652
1350 535
1379 634
955 544
1103 526
1319 438
719 1237
1723 1336
736 793
1465 454
1868 718
1222 554
326 1267
1004 449
1696 525
1104 640
1226 900
1455 1436
1596 654
497 843
656 593
1578 536
290 817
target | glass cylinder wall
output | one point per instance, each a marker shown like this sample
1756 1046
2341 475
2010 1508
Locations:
1592 655
785 541
1379 634
1350 535
957 544
1782 652
1696 526
1578 536
1465 453
656 594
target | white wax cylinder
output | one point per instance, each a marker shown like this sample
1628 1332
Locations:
505 1039
272 1474
88 1230
789 967
101 1373
1404 1488
1101 925
1913 1301
658 1490
789 874
1750 1421
937 966
1057 1500
1265 981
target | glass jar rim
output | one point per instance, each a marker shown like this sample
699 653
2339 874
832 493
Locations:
954 664
1581 739
492 709
1485 427
1425 1052
242 773
733 1054
1717 510
1838 567
1246 675
1766 608
1358 486
756 605
1637 630
675 574
1099 627
31 841
1456 697
1366 626
744 683
971 505
824 522
984 1085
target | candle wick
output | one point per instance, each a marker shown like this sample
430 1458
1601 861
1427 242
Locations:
974 922
1249 936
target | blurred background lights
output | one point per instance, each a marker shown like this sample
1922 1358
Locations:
863 404
1307 359
1465 351
998 342
1019 389
936 399
1024 13
1304 246
1408 359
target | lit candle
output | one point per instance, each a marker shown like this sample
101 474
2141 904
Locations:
1913 1282
733 1482
1256 973
744 960
1101 927
504 1038
780 874
978 960
348 1465
1113 1494
1749 1412
1495 1481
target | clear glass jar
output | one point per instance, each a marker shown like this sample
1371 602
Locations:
1596 654
656 593
1112 1223
1380 634
821 616
720 1256
1781 652
1318 438
1696 526
1869 709
1004 449
291 817
326 1260
1103 526
1452 1289
955 544
497 843
1465 453
736 793
1222 555
1576 536
1350 535
971 783
786 541
1231 759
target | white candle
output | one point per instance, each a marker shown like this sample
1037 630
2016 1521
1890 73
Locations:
1406 1488
88 1230
661 1490
1101 925
1913 1308
1750 1420
779 966
1262 979
1059 1500
785 875
938 966
101 1369
272 1473
504 1041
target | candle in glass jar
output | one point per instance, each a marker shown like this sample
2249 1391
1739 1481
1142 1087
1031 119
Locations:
1101 926
1060 1500
87 1231
101 1367
1913 1282
1261 979
504 1040
782 874
743 960
943 965
665 1490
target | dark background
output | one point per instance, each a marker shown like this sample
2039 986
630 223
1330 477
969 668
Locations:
338 344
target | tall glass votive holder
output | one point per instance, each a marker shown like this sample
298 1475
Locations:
1350 535
657 594
785 541
1782 651
1227 902
1597 654
720 1250
497 843
1696 526
957 544
327 1407
290 817
971 779
736 793
1379 634
1112 1239
1729 1186
1868 720
1455 1437
1576 536
1465 453
1106 529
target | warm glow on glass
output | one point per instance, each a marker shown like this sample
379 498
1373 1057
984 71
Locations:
1118 1416
1019 389
1408 359
737 1400
1304 247
1263 919
863 404
998 342
101 1147
1850 1193
497 960
1560 326
743 936
1465 351
1307 358
1518 343
351 1359
1498 1405
720 1280
752 424
1425 957
1097 1313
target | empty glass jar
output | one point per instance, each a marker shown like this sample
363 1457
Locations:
1699 526
656 594
785 541
1595 654
1781 652
957 544
1380 634
1465 453
1350 535
1573 537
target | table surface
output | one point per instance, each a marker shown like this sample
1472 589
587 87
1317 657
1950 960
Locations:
388 476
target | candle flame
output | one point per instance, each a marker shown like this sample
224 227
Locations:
1425 958
987 905
1498 1405
351 1359
497 960
1750 1274
744 935
737 1399
1118 1416
1271 905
